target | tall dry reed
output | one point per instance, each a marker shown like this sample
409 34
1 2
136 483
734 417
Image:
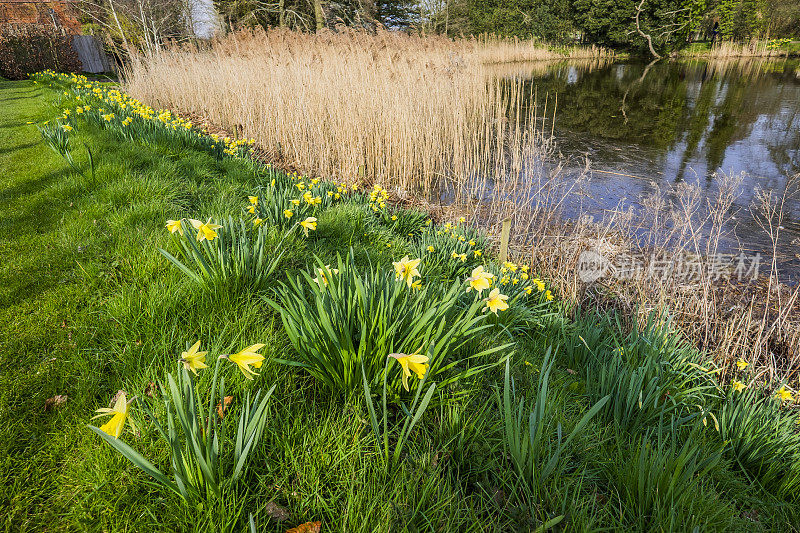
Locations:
729 49
416 113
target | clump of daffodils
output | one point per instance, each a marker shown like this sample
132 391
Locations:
378 198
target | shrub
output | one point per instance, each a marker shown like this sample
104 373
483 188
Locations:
342 319
31 48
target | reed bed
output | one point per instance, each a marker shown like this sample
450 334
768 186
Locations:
728 49
433 121
417 113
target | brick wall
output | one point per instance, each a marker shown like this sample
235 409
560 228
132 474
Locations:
39 13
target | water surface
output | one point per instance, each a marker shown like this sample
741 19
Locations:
645 126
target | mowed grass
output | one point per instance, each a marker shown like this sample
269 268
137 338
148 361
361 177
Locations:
89 306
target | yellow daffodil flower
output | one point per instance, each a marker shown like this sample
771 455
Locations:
431 249
548 295
783 394
738 386
406 269
510 266
471 243
251 209
205 232
257 222
539 284
66 127
462 220
477 253
496 301
417 285
741 364
321 278
394 217
119 416
288 213
245 358
414 362
253 199
175 225
192 359
296 202
479 279
309 223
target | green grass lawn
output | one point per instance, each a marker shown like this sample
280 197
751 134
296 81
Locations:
90 306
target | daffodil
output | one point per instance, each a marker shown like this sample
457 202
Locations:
192 359
309 223
539 284
479 279
414 362
477 253
783 394
741 364
406 269
205 232
175 225
738 386
496 301
119 416
431 249
321 278
257 222
288 213
66 127
548 295
245 358
417 285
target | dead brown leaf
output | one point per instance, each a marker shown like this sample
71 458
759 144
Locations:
308 527
222 408
276 512
56 401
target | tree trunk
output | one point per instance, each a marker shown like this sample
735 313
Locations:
282 13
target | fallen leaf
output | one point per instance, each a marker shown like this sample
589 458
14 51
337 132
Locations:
571 372
221 409
308 527
150 389
56 401
276 512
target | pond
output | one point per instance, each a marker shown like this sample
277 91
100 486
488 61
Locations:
654 125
